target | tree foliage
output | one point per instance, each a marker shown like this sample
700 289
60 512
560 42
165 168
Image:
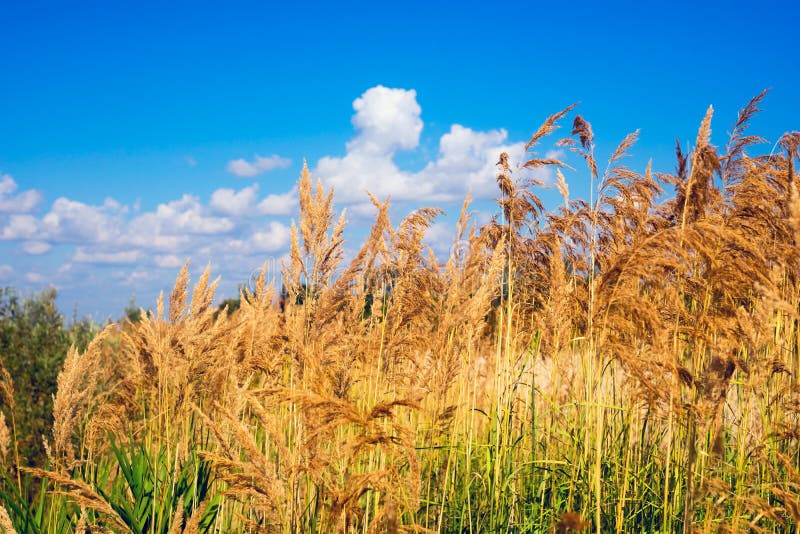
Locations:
34 339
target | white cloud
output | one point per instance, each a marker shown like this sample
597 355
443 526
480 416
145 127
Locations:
20 227
114 258
440 237
388 121
230 202
35 278
36 248
274 239
468 162
362 210
245 169
239 228
169 261
171 223
279 204
75 222
24 202
137 277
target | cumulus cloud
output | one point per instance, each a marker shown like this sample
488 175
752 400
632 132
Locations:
36 248
279 204
468 161
113 258
137 277
231 202
275 238
388 121
23 202
176 219
20 227
246 169
75 222
234 225
169 261
440 235
35 278
237 228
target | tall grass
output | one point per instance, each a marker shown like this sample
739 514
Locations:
626 364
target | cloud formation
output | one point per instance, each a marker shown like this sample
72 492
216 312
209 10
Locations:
114 244
246 169
113 234
230 202
24 202
36 248
388 121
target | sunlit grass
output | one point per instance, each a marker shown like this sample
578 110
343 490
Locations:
625 364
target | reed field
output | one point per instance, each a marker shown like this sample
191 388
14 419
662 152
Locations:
623 363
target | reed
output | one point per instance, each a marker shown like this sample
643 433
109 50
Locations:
626 364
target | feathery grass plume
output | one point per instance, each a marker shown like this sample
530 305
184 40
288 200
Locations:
193 524
176 525
8 437
314 264
81 526
790 142
583 130
548 126
738 142
177 299
82 494
697 193
563 187
6 526
6 387
76 397
5 438
623 364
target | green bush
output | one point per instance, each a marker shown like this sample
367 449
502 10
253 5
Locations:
34 340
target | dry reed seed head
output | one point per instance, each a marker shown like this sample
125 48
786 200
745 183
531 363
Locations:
503 162
81 493
203 295
583 130
6 526
563 187
82 526
794 211
193 524
325 402
624 146
790 141
177 299
5 437
177 522
7 387
704 132
548 126
738 142
77 385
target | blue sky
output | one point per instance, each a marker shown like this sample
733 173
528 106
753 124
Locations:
123 124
